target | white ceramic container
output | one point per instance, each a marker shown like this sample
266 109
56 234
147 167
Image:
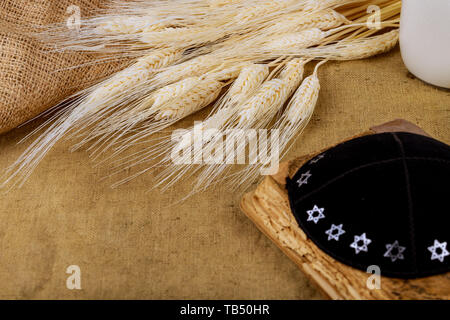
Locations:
425 40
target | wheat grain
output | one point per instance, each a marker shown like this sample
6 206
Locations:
200 96
249 79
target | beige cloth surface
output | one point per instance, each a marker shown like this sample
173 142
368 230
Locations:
129 243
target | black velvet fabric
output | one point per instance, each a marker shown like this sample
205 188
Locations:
379 200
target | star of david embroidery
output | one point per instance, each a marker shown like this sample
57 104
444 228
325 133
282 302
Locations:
315 214
438 251
304 178
394 251
360 244
335 232
318 158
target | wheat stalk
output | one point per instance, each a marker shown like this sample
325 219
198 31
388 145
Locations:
195 67
262 8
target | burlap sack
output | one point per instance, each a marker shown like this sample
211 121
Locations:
28 81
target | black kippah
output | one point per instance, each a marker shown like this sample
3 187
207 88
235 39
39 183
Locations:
378 200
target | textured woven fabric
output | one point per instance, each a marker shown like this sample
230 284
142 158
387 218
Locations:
31 79
378 200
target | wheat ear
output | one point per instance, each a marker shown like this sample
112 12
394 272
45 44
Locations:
298 21
272 95
354 49
299 110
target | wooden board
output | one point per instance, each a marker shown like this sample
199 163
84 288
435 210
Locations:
268 207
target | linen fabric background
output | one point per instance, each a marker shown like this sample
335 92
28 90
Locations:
137 243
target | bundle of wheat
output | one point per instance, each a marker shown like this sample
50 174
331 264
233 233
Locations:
187 52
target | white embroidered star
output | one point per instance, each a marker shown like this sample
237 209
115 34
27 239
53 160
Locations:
360 244
395 251
304 178
438 251
335 232
312 216
318 158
